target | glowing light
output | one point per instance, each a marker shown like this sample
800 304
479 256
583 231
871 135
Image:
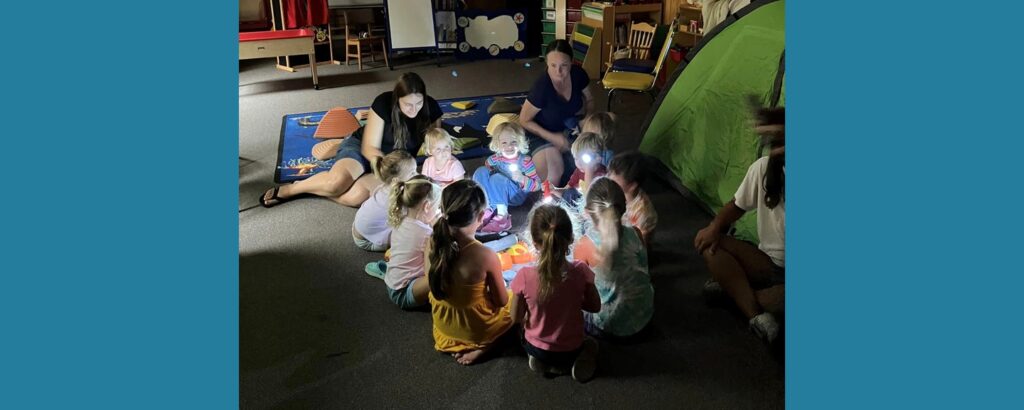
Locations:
513 167
455 73
547 200
587 158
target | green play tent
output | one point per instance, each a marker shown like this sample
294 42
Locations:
700 125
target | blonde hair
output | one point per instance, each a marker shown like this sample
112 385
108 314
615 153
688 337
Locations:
410 194
606 200
435 135
390 166
588 141
602 122
516 130
551 231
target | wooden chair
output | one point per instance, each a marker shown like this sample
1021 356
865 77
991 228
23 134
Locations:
352 40
638 82
638 46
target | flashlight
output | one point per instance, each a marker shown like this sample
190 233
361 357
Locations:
547 200
513 167
587 158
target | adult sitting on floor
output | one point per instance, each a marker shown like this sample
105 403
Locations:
397 121
555 103
754 276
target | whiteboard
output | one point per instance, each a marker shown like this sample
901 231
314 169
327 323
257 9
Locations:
410 24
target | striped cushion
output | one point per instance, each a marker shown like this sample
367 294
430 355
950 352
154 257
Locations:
337 123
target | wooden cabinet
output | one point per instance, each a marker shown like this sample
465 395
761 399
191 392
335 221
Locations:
608 15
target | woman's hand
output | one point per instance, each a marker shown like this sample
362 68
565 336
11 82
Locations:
707 239
559 141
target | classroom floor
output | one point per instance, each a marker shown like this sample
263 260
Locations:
317 332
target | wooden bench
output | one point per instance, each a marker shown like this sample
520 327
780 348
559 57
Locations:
277 43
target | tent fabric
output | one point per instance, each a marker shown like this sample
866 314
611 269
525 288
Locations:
700 127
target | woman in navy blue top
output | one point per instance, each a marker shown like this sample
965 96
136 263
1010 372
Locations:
554 104
397 121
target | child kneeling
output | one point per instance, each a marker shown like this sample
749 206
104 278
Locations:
549 300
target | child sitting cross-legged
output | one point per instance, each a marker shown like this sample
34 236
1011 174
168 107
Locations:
441 166
469 302
507 176
619 260
550 297
412 212
627 170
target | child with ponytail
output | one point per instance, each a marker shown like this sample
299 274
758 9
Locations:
469 302
619 259
412 211
370 230
549 299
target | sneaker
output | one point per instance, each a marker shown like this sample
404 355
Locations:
376 269
537 366
586 364
499 223
765 327
713 292
488 214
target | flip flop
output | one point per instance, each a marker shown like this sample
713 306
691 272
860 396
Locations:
266 203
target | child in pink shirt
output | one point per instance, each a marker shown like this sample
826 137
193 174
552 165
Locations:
441 166
549 300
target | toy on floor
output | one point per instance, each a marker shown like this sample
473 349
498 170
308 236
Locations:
464 105
516 255
337 123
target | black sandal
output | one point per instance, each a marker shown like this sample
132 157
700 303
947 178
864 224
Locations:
265 202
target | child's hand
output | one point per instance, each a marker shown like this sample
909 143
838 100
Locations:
707 240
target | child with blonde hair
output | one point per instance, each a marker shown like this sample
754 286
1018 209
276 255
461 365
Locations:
441 166
412 211
619 260
469 302
603 124
587 151
627 170
549 299
370 230
507 176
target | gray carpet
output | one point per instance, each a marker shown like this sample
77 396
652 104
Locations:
317 332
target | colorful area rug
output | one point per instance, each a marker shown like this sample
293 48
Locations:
295 161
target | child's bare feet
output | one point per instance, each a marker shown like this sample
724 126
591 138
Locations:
468 358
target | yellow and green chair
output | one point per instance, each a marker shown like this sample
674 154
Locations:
638 82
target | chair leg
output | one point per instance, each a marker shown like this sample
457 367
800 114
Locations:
384 50
373 55
611 94
359 55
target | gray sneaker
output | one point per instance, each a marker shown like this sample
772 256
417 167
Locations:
537 366
713 293
765 327
586 364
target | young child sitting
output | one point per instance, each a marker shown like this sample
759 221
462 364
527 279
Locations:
507 176
441 166
627 170
469 302
587 151
370 229
602 124
549 299
412 211
619 260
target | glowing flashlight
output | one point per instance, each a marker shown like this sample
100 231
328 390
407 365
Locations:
513 167
587 158
547 200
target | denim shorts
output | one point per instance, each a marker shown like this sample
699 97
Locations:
352 148
404 297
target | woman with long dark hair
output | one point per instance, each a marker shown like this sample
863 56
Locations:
397 121
555 102
754 276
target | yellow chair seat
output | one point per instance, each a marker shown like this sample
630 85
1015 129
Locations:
625 80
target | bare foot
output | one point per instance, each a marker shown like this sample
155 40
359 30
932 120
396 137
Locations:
468 358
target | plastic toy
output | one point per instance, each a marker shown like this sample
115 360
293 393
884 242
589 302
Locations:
464 105
517 254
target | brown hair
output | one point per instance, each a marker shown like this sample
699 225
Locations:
408 83
629 165
605 199
551 231
461 203
388 167
405 195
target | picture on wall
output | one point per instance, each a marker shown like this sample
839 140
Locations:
483 34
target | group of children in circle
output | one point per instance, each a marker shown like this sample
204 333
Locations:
596 284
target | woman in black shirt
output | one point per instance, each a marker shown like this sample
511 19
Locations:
397 121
